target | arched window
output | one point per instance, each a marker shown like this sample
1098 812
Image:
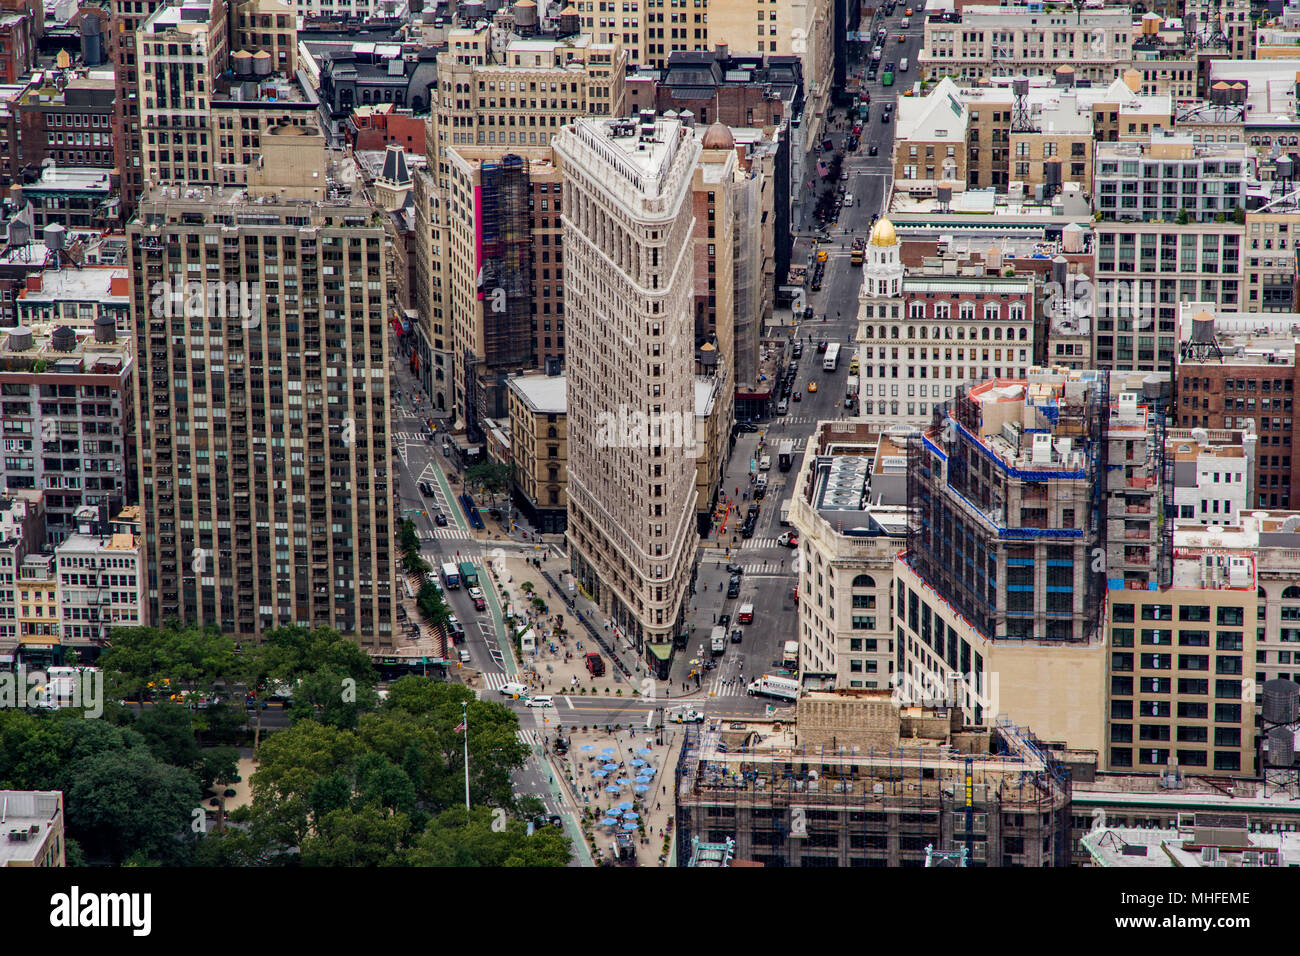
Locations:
893 332
866 332
864 581
961 334
1024 334
997 333
1291 593
552 433
984 333
934 333
911 331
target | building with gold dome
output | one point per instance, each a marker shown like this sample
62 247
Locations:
920 336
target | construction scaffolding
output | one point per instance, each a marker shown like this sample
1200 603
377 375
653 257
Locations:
1009 803
507 288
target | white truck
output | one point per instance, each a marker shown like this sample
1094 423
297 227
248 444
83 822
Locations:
718 640
685 715
790 654
782 687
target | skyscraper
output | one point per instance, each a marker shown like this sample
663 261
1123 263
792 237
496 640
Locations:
631 391
263 394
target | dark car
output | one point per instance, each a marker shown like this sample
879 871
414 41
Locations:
747 530
889 67
440 519
873 150
735 569
724 620
736 635
426 489
797 351
746 427
751 513
733 586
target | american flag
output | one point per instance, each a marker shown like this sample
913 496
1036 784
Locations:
460 727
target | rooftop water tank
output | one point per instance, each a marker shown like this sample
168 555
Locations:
63 339
20 339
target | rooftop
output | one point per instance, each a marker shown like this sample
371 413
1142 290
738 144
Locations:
63 349
93 283
1184 847
642 153
542 394
29 812
71 179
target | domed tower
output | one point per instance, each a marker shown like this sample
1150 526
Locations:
718 136
882 272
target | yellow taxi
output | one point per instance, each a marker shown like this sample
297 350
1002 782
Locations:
812 387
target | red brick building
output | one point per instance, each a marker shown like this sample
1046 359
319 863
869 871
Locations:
375 127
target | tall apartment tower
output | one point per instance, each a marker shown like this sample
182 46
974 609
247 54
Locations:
629 359
263 396
126 18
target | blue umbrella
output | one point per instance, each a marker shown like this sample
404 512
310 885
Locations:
608 822
631 815
640 788
587 747
626 805
608 750
613 788
638 762
629 826
600 774
610 767
644 778
645 751
624 781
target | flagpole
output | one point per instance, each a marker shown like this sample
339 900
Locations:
464 708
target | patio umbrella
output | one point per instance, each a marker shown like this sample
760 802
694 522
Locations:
631 815
609 822
608 750
600 774
629 826
587 747
645 778
640 788
645 751
613 788
623 781
626 805
611 767
638 762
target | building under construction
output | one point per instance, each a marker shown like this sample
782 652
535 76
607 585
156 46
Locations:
859 781
1006 492
505 289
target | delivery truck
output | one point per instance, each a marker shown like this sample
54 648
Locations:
783 688
718 640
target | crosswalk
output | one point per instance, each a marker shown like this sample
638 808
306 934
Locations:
495 681
446 534
795 420
765 567
530 738
753 544
724 687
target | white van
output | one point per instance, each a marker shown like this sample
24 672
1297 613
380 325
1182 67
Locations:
765 463
514 690
902 65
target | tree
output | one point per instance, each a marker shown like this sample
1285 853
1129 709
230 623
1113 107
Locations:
169 733
431 605
130 802
458 838
185 657
492 476
331 696
1183 217
407 538
369 836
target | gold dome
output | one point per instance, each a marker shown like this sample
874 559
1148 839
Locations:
883 234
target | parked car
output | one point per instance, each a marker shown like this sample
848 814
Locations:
476 595
797 351
736 635
733 586
783 407
426 489
724 620
464 656
440 519
746 427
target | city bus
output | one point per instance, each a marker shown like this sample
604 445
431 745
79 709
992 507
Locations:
832 360
887 78
451 576
468 574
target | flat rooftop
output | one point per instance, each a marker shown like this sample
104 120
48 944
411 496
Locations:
92 283
542 394
1131 847
33 812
